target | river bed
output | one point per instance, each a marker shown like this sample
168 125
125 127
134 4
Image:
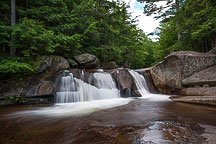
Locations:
149 120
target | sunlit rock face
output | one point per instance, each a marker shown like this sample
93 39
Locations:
168 74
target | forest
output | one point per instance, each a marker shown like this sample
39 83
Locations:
33 28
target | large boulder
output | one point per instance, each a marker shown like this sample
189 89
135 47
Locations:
41 85
125 83
51 63
34 89
197 91
110 65
204 77
168 74
87 61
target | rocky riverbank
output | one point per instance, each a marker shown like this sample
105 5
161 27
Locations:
41 87
187 73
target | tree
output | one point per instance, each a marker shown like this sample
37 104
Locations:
167 12
198 29
70 27
13 21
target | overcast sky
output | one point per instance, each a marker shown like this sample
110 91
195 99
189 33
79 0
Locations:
147 23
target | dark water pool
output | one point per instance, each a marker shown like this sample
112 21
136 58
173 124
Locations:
140 121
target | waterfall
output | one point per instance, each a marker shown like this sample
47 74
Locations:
140 82
76 90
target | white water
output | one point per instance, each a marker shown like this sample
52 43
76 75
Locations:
75 109
140 82
143 88
76 90
105 94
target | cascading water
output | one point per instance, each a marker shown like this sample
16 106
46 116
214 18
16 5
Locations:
76 90
140 82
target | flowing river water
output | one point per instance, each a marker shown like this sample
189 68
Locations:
151 119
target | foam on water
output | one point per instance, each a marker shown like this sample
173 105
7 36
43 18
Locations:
77 98
75 109
76 90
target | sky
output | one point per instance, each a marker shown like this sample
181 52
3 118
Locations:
147 23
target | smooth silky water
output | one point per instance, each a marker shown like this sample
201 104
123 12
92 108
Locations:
91 111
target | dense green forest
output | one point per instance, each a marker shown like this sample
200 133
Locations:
185 25
100 27
68 28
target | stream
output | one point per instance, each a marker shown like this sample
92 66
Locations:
92 111
149 120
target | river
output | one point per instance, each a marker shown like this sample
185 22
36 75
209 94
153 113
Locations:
150 120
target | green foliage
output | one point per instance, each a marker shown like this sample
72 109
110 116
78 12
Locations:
33 38
67 28
14 65
193 20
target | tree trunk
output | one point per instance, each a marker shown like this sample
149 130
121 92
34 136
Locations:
13 20
206 44
212 41
214 37
178 19
203 45
3 49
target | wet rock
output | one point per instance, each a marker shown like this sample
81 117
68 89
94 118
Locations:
87 61
40 85
205 100
147 75
207 76
168 74
51 63
124 79
37 88
110 65
125 92
125 83
197 91
12 88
